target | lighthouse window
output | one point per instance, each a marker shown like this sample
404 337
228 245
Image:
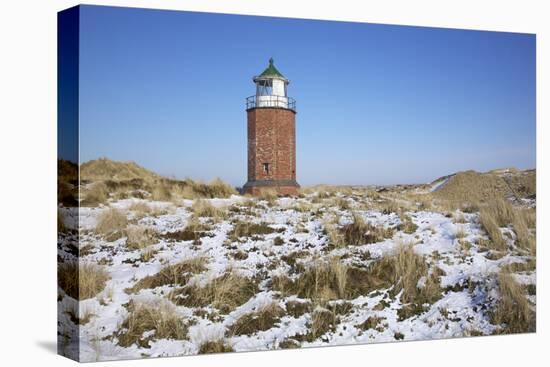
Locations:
266 168
265 88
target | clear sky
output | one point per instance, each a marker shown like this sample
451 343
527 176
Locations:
377 104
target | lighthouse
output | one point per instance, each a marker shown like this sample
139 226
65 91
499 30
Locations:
271 125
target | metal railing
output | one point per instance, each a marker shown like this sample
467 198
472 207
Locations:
271 102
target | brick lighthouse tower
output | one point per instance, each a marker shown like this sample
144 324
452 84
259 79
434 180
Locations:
271 118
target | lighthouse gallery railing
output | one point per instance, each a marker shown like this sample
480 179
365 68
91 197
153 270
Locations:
270 102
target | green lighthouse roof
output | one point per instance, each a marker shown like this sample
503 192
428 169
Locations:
272 71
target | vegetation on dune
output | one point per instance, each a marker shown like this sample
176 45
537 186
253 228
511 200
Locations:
162 318
513 311
177 274
263 319
475 187
139 237
112 223
215 346
337 258
248 229
400 271
104 178
81 281
67 183
203 208
224 293
356 233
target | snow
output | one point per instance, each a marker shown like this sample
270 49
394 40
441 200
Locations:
435 239
439 184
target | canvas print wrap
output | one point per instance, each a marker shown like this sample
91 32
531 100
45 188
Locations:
232 183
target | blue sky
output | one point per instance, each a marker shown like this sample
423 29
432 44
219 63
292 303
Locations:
377 104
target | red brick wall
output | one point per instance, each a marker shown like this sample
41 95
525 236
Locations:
272 140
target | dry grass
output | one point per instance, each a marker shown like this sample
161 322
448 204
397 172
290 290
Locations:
140 209
269 195
61 228
523 220
490 224
193 231
371 322
407 225
321 282
460 232
263 319
389 207
203 208
360 233
322 322
127 179
224 293
96 194
139 237
500 213
513 311
177 274
111 221
473 187
214 189
401 271
459 217
298 308
215 346
248 229
340 271
81 281
408 269
161 191
303 206
336 239
148 254
162 318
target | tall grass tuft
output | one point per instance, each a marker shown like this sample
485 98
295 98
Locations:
162 318
513 311
81 281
